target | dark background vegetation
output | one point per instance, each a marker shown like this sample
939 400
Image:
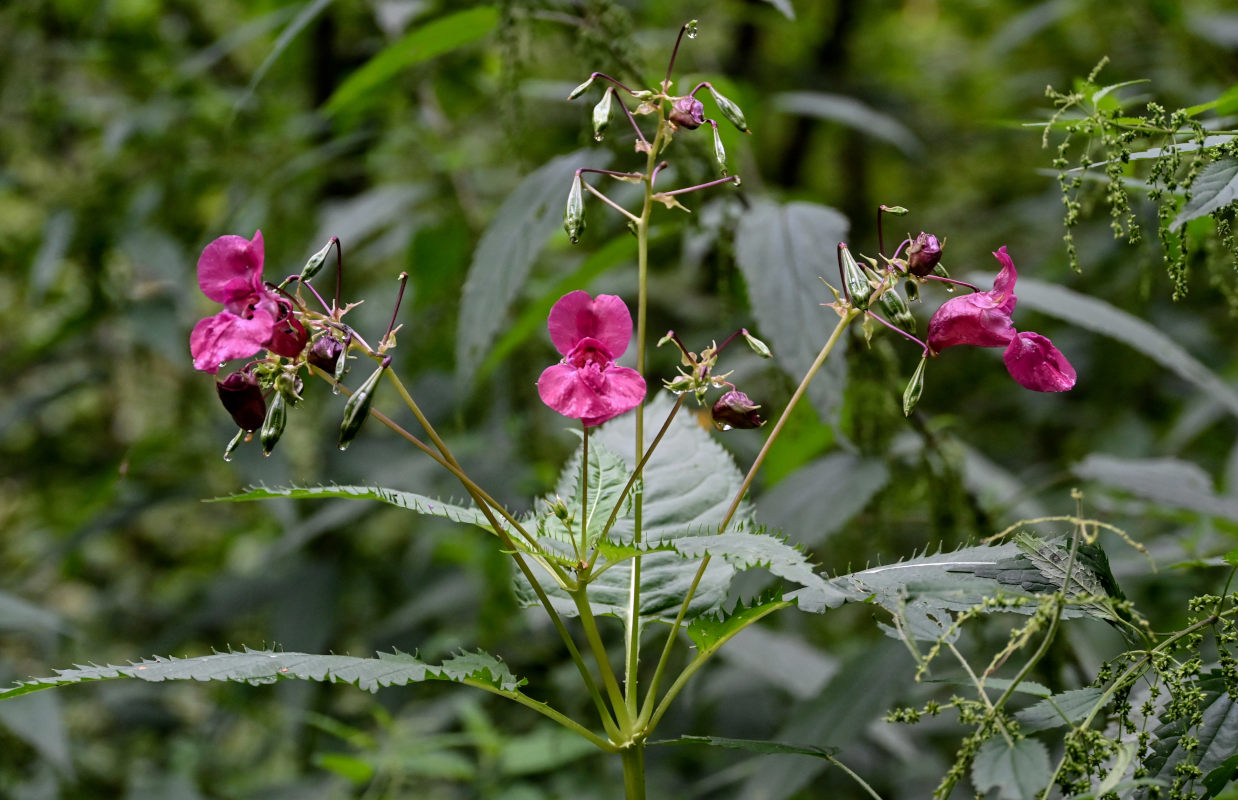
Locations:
133 132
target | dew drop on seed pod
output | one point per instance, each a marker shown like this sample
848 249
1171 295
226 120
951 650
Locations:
691 30
737 181
597 137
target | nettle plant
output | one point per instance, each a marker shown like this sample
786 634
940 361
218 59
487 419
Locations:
650 520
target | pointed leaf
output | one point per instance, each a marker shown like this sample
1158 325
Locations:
1212 742
1214 189
1096 315
505 254
755 746
608 474
1164 481
1066 708
852 113
783 251
1019 771
407 500
710 631
265 666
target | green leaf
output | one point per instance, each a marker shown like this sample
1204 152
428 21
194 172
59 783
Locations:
688 485
506 252
710 631
424 42
303 18
608 474
755 746
257 667
852 113
821 497
744 550
1208 745
1215 188
1018 770
544 749
1164 481
783 251
1066 708
406 500
1096 315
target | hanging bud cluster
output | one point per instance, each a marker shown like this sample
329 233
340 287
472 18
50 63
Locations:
696 376
672 113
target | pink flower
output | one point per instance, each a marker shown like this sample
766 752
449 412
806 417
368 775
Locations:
983 319
254 316
587 384
1033 361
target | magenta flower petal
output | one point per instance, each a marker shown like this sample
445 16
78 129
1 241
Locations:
577 315
973 319
1003 284
230 269
1036 364
624 389
226 336
572 393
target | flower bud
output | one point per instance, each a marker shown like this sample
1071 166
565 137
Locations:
358 407
735 410
579 90
858 286
687 112
897 211
915 387
601 115
559 509
729 110
314 265
288 338
896 309
719 152
273 425
242 398
325 353
574 212
923 254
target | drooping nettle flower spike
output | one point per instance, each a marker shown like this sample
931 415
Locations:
983 319
254 317
590 333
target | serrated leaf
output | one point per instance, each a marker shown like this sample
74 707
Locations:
422 43
529 216
1215 737
710 631
744 550
265 666
420 504
1018 770
783 251
1096 315
755 746
608 475
1002 684
1165 481
688 485
850 112
1066 708
1214 188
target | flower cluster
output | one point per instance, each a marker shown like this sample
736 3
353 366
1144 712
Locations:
983 319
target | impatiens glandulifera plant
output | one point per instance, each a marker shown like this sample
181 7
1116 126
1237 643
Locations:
648 524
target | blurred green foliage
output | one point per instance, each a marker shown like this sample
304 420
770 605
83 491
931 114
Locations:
133 132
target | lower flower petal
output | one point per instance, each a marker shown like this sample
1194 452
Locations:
623 391
1036 364
974 319
226 336
564 389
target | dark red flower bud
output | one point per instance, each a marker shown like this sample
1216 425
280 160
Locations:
687 112
288 338
242 397
735 410
325 353
923 254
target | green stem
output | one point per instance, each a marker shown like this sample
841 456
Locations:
826 349
547 711
633 771
594 637
636 473
584 497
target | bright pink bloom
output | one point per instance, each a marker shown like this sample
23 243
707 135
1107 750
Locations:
1035 363
587 384
254 316
981 319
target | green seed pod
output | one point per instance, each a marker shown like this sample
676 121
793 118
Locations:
719 151
729 110
574 212
235 443
358 407
601 114
314 265
759 347
915 387
858 286
896 309
912 289
579 90
897 211
273 425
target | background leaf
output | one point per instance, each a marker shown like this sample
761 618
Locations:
1214 189
1018 770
